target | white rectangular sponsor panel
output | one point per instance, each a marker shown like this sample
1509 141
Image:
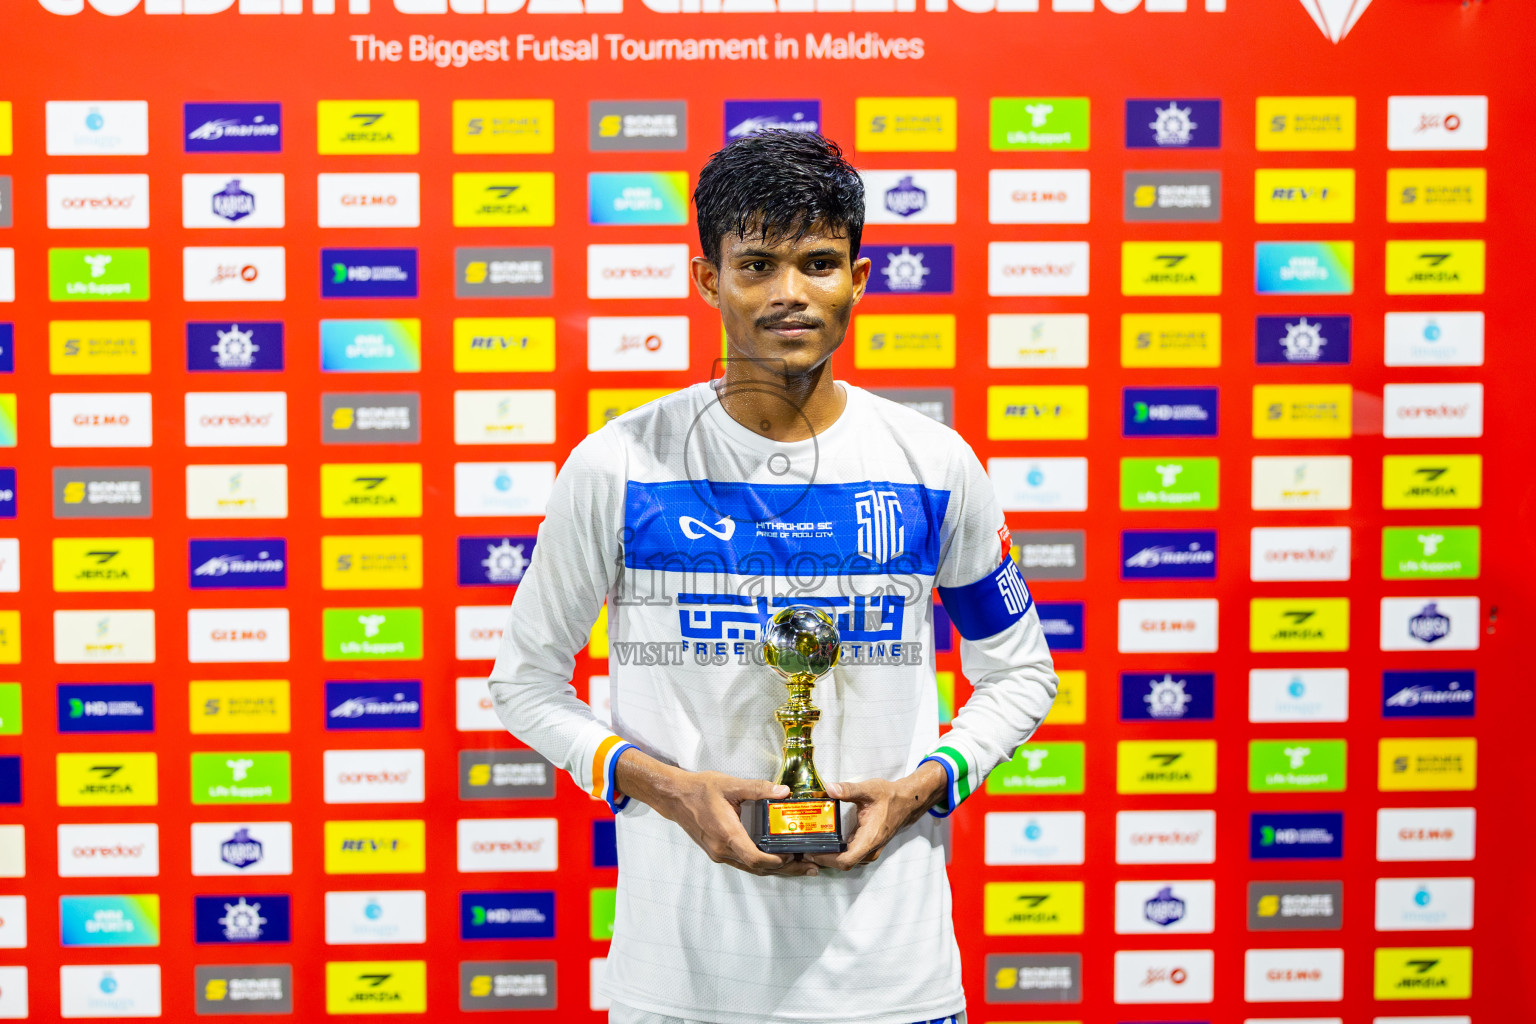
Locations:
1037 340
502 488
1293 975
1037 197
216 635
1048 837
478 630
237 492
369 200
232 201
7 275
109 990
599 699
637 272
10 565
1169 625
93 128
1434 339
1298 695
1299 553
98 201
1291 482
1426 833
14 1002
508 844
909 197
1040 485
13 930
397 917
117 637
1432 410
473 709
1430 623
13 851
109 851
1421 1020
1037 268
100 420
637 343
237 419
1437 122
504 417
375 776
245 273
242 848
1423 904
1165 837
1165 976
1165 908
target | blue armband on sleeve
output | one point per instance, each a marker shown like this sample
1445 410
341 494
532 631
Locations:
991 604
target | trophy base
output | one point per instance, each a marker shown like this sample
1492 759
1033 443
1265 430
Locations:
796 825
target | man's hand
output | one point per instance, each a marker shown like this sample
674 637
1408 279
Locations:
707 806
885 808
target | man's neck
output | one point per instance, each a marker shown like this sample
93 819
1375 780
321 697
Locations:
780 407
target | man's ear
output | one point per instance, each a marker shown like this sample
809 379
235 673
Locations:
861 269
706 279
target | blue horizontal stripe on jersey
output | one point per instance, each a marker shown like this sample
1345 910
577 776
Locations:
991 604
847 529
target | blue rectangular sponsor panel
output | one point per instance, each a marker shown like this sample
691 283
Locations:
251 918
370 346
7 492
1444 694
1302 340
7 348
910 269
1173 124
1168 555
507 915
1315 835
233 127
368 274
1169 412
1063 624
239 563
10 780
1167 696
494 561
605 843
373 704
943 629
224 346
747 117
106 707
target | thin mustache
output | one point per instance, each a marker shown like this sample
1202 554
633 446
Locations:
768 323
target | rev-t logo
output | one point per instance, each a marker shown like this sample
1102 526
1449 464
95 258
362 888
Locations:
1335 17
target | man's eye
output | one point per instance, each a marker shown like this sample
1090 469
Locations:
757 266
821 264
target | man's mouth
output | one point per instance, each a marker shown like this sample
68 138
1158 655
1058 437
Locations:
792 327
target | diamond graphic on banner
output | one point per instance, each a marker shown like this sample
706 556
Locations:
1336 17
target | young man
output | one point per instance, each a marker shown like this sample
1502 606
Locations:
697 517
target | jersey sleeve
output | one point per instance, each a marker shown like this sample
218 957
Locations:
1003 652
575 565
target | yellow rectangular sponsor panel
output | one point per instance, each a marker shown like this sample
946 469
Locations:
1424 972
10 638
1055 413
904 124
1170 268
914 341
1170 339
375 986
1436 266
1071 706
1426 764
244 706
505 199
1298 624
1166 766
98 346
503 344
1304 123
5 127
103 564
380 847
1422 195
368 127
1302 410
503 126
597 636
104 779
1304 195
370 490
373 562
1033 908
1432 481
604 404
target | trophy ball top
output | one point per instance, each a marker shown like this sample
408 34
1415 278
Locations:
801 639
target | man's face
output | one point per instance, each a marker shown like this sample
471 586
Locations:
784 302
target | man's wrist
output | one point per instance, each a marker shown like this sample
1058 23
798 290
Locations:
932 782
641 777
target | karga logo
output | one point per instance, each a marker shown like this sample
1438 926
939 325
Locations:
1335 17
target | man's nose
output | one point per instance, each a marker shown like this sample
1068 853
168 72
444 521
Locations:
791 288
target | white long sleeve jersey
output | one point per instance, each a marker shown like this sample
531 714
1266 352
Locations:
696 531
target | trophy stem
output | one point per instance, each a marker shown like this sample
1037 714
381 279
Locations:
798 716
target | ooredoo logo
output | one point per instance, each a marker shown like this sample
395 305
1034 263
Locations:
508 844
637 271
98 201
374 776
109 851
1165 837
1037 268
236 419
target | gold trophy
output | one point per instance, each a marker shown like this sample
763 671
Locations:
800 644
